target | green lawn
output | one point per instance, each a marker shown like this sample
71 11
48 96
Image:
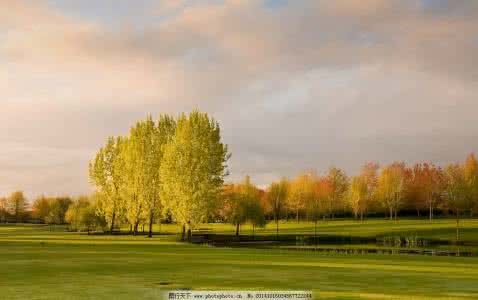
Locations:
437 229
39 264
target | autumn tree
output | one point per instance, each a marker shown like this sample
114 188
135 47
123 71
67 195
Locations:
41 208
358 196
456 192
338 187
193 169
242 204
234 206
426 186
17 205
318 193
3 210
471 179
277 196
391 187
369 173
299 190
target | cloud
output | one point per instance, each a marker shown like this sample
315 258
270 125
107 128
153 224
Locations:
300 85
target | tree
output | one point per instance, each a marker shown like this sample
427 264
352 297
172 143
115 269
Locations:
456 192
369 173
3 210
234 206
338 184
61 205
391 187
41 208
242 204
358 196
193 169
160 136
471 178
106 172
142 157
73 215
255 214
317 200
89 218
298 189
426 186
277 195
135 156
17 205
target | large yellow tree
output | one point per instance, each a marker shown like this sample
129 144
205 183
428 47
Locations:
193 169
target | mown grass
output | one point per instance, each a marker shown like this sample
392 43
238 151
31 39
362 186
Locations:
40 264
443 229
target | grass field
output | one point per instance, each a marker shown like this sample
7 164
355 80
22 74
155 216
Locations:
40 264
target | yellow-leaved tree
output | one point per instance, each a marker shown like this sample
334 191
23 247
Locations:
192 171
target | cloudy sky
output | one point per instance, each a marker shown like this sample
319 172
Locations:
295 84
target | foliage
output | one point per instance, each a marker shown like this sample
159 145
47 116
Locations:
300 191
193 169
358 195
338 188
74 214
3 210
106 172
17 205
391 187
242 204
51 210
277 196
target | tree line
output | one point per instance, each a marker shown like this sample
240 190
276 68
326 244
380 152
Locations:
378 191
173 169
79 212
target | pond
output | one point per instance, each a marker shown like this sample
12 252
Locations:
342 244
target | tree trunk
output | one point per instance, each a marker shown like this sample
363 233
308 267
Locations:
112 223
277 228
190 235
297 215
315 232
391 213
135 229
361 217
183 235
431 212
457 225
253 231
237 229
395 214
151 217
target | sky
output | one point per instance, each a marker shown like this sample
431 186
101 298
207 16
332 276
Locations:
296 85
